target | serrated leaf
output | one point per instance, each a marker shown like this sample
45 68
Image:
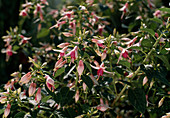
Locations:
165 9
156 20
87 80
43 33
20 115
137 99
150 31
59 72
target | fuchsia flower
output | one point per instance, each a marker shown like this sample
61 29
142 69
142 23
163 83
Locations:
67 34
3 99
60 63
100 69
103 107
25 79
73 26
73 54
124 53
23 13
49 83
157 13
44 2
9 52
32 89
24 39
38 95
131 42
101 29
68 14
62 52
80 68
7 110
77 96
150 4
103 56
124 9
99 42
62 45
39 10
7 39
9 84
58 25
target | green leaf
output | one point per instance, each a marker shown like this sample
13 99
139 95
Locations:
137 99
43 33
165 60
165 9
87 80
15 47
88 66
35 64
45 98
20 115
59 72
150 31
135 48
146 43
2 111
124 63
64 96
156 20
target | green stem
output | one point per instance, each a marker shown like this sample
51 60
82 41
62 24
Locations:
137 71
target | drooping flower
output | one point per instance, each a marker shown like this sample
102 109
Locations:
73 26
101 29
103 56
103 107
62 45
77 96
32 89
49 83
7 110
25 78
157 13
80 68
124 9
99 42
100 69
7 39
23 13
73 54
60 63
39 10
24 39
124 53
38 95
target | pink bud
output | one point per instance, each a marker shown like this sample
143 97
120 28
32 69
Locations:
157 35
77 96
32 89
84 86
62 45
25 79
103 55
80 68
49 83
145 79
38 95
7 110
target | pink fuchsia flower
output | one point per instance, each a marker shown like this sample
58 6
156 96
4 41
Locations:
39 10
60 63
23 13
100 69
101 29
99 42
58 25
32 89
62 45
9 52
9 84
25 79
103 107
7 39
157 13
67 34
80 68
145 80
38 95
7 110
24 39
3 99
103 56
73 26
68 14
62 52
124 53
131 42
49 83
124 9
44 2
77 96
73 54
150 4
